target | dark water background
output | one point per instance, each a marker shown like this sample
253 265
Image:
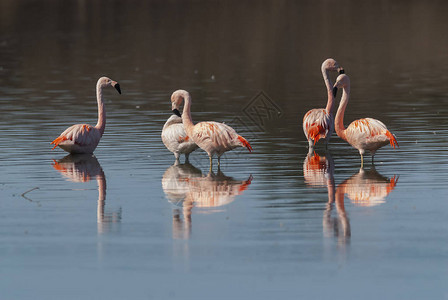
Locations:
125 224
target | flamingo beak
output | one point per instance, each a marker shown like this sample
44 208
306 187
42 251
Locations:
341 70
117 87
335 91
177 113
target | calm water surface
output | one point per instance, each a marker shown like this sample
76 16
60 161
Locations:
128 224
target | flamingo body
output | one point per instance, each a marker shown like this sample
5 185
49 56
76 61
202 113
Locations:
318 123
216 138
212 137
369 134
79 138
176 139
363 134
83 138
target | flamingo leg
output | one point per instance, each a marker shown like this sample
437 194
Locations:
362 161
310 144
219 161
211 163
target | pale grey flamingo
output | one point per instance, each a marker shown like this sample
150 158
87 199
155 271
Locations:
176 139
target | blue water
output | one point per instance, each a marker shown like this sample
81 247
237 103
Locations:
276 223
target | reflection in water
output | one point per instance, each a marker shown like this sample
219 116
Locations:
81 168
186 187
367 188
319 172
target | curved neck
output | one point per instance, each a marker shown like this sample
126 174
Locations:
339 120
101 125
329 85
186 116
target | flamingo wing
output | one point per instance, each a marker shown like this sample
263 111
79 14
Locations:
214 132
370 131
216 137
174 137
79 134
317 124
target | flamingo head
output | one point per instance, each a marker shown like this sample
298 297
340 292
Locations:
106 81
343 81
176 100
332 65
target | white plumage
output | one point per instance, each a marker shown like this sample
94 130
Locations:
176 139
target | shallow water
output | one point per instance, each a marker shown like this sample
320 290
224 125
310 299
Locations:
127 223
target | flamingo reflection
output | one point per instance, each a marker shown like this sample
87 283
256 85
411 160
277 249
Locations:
82 168
186 187
367 187
319 172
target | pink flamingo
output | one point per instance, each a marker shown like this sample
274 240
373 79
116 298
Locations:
212 137
176 139
318 123
363 134
83 138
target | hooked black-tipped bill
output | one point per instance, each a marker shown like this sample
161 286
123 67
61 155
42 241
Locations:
341 71
176 112
117 87
335 91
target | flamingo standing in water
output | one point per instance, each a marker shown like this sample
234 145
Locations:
176 139
318 123
83 138
363 134
212 137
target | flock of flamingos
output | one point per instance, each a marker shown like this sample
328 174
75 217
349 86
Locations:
184 184
181 136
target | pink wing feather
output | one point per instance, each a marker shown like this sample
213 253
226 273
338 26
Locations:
79 134
318 124
371 131
217 137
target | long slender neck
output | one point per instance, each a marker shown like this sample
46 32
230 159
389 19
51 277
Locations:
329 85
339 120
101 125
186 115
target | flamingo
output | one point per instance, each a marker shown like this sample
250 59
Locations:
83 138
318 123
176 139
363 134
212 137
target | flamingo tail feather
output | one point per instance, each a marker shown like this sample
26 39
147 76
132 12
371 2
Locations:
58 140
392 139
